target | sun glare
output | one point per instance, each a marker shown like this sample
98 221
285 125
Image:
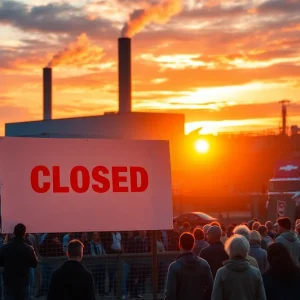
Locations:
202 146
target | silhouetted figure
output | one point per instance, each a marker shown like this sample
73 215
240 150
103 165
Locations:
238 280
214 254
282 280
72 281
17 258
189 277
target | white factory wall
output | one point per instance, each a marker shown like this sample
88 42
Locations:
155 126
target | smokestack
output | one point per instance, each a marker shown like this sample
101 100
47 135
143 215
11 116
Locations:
47 87
124 74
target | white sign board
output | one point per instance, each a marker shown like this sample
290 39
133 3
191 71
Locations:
281 205
79 185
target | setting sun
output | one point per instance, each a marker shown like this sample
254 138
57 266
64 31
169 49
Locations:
202 146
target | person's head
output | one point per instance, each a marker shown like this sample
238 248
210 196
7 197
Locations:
242 230
186 242
198 234
255 237
230 230
297 222
95 237
214 234
20 231
186 227
215 223
269 225
263 230
205 229
284 224
237 246
250 224
75 250
83 237
255 226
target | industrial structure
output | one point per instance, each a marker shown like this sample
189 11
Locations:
123 124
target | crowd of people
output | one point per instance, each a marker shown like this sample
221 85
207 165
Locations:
246 261
250 261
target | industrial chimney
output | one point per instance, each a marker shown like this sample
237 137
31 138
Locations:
47 93
124 44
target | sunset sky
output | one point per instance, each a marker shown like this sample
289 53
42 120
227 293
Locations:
225 64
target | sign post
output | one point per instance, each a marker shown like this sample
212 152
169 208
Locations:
79 185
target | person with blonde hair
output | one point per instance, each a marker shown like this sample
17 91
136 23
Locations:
257 252
238 279
245 232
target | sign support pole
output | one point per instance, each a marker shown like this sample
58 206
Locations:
154 264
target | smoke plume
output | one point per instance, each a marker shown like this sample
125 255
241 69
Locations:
159 13
79 53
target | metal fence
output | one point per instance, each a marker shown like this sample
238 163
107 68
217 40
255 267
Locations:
139 269
122 276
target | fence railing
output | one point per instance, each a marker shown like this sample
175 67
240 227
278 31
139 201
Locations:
121 276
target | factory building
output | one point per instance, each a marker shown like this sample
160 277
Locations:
123 124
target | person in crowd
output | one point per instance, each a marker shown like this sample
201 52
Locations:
50 247
255 226
83 238
17 258
250 224
288 238
214 254
161 264
186 227
99 269
257 252
265 239
159 243
270 227
173 238
238 279
142 268
224 236
189 277
205 230
215 223
245 232
165 240
230 230
282 280
72 281
113 245
31 241
66 239
200 243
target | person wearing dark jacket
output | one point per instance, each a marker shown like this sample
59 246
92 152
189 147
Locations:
200 243
189 277
215 253
282 280
72 281
17 258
